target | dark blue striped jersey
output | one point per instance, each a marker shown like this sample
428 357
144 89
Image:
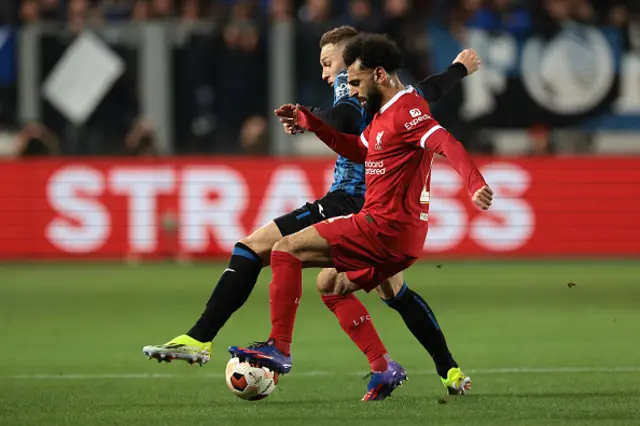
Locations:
347 175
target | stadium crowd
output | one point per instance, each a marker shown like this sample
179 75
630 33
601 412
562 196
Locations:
220 83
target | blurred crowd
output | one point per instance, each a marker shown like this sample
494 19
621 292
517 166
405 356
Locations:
371 15
220 78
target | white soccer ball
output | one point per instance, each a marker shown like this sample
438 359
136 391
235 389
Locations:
249 382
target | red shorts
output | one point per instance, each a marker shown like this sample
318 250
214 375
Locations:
357 250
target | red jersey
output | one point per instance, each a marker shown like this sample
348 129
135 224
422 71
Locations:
398 171
397 149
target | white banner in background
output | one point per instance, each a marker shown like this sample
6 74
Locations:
82 77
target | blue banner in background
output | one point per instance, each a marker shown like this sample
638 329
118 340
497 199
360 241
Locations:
580 77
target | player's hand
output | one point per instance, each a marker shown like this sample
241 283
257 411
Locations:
298 117
289 128
285 113
483 197
303 118
470 59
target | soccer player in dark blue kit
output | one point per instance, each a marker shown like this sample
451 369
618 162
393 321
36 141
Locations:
346 196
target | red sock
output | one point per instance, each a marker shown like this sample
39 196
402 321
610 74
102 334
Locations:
284 295
356 322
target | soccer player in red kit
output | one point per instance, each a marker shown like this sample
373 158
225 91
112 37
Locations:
388 234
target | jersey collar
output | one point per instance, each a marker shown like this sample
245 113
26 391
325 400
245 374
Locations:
405 91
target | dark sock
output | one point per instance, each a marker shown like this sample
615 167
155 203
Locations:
422 323
231 292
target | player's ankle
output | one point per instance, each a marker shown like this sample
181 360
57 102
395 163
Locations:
379 364
443 368
283 346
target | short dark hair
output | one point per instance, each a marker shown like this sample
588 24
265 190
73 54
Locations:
373 50
338 35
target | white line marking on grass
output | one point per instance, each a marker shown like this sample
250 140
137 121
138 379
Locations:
486 371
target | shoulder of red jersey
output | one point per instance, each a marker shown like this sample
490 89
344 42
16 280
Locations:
413 120
412 111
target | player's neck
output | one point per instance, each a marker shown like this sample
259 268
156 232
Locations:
395 83
389 93
395 86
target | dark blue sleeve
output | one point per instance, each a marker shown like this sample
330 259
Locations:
351 101
434 87
344 116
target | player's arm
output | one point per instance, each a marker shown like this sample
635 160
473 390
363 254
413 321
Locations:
428 134
435 87
344 116
350 146
438 140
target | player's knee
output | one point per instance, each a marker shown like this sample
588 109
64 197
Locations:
343 286
283 245
259 247
262 241
326 281
290 244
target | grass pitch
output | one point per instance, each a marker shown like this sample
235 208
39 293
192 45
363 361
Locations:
539 351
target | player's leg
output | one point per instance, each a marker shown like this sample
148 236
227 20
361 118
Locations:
306 248
420 320
337 294
237 281
353 316
235 285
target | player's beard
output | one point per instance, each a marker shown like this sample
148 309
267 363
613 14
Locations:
374 101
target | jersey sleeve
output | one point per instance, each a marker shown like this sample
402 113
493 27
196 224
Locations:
350 146
364 137
414 123
436 86
343 116
424 132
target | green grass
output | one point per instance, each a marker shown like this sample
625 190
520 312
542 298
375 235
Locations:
71 338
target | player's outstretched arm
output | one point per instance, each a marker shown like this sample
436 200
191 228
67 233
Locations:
343 116
347 145
442 142
436 86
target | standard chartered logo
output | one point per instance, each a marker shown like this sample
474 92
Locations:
570 74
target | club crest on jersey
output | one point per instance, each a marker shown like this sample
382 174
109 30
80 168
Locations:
415 112
379 141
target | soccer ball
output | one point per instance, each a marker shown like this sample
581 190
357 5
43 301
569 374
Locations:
249 382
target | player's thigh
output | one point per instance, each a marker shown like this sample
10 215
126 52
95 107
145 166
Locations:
332 282
354 243
308 246
391 286
333 204
262 240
